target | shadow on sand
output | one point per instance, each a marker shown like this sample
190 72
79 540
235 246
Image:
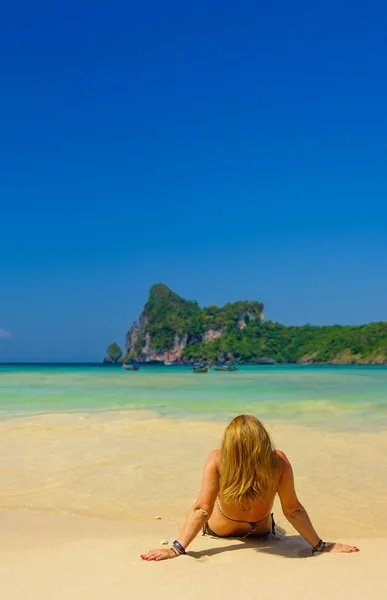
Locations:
289 547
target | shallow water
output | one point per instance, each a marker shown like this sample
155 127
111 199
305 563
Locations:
134 466
348 397
111 444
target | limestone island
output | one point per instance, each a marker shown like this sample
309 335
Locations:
177 331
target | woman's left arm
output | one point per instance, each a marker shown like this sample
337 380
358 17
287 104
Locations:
197 516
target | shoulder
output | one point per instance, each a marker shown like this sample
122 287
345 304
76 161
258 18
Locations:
213 459
283 462
214 455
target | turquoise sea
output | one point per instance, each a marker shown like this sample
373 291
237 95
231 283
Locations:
335 396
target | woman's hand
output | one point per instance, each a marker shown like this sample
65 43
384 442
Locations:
336 547
159 554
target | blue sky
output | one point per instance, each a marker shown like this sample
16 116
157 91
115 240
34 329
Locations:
229 150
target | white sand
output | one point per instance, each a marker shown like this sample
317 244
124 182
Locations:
51 557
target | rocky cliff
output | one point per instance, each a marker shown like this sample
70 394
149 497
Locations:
169 324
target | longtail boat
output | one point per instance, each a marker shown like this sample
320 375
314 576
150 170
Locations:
201 369
130 367
226 368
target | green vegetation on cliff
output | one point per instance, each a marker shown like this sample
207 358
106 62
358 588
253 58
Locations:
166 315
333 343
172 328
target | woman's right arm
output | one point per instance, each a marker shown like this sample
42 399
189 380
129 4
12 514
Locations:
199 513
296 514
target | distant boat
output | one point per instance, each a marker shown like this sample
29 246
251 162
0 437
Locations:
130 367
224 368
168 364
201 369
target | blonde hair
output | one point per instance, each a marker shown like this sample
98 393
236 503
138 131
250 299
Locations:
248 465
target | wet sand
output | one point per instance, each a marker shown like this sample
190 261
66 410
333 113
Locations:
134 466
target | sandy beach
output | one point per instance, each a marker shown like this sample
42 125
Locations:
52 557
81 493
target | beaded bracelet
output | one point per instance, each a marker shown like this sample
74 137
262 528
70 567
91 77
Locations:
319 547
178 547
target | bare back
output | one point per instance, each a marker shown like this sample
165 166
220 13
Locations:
223 517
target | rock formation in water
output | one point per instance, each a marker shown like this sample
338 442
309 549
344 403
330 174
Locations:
114 354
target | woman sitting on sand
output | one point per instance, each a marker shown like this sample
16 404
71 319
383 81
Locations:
239 485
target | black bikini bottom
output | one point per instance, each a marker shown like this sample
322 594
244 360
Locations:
208 531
